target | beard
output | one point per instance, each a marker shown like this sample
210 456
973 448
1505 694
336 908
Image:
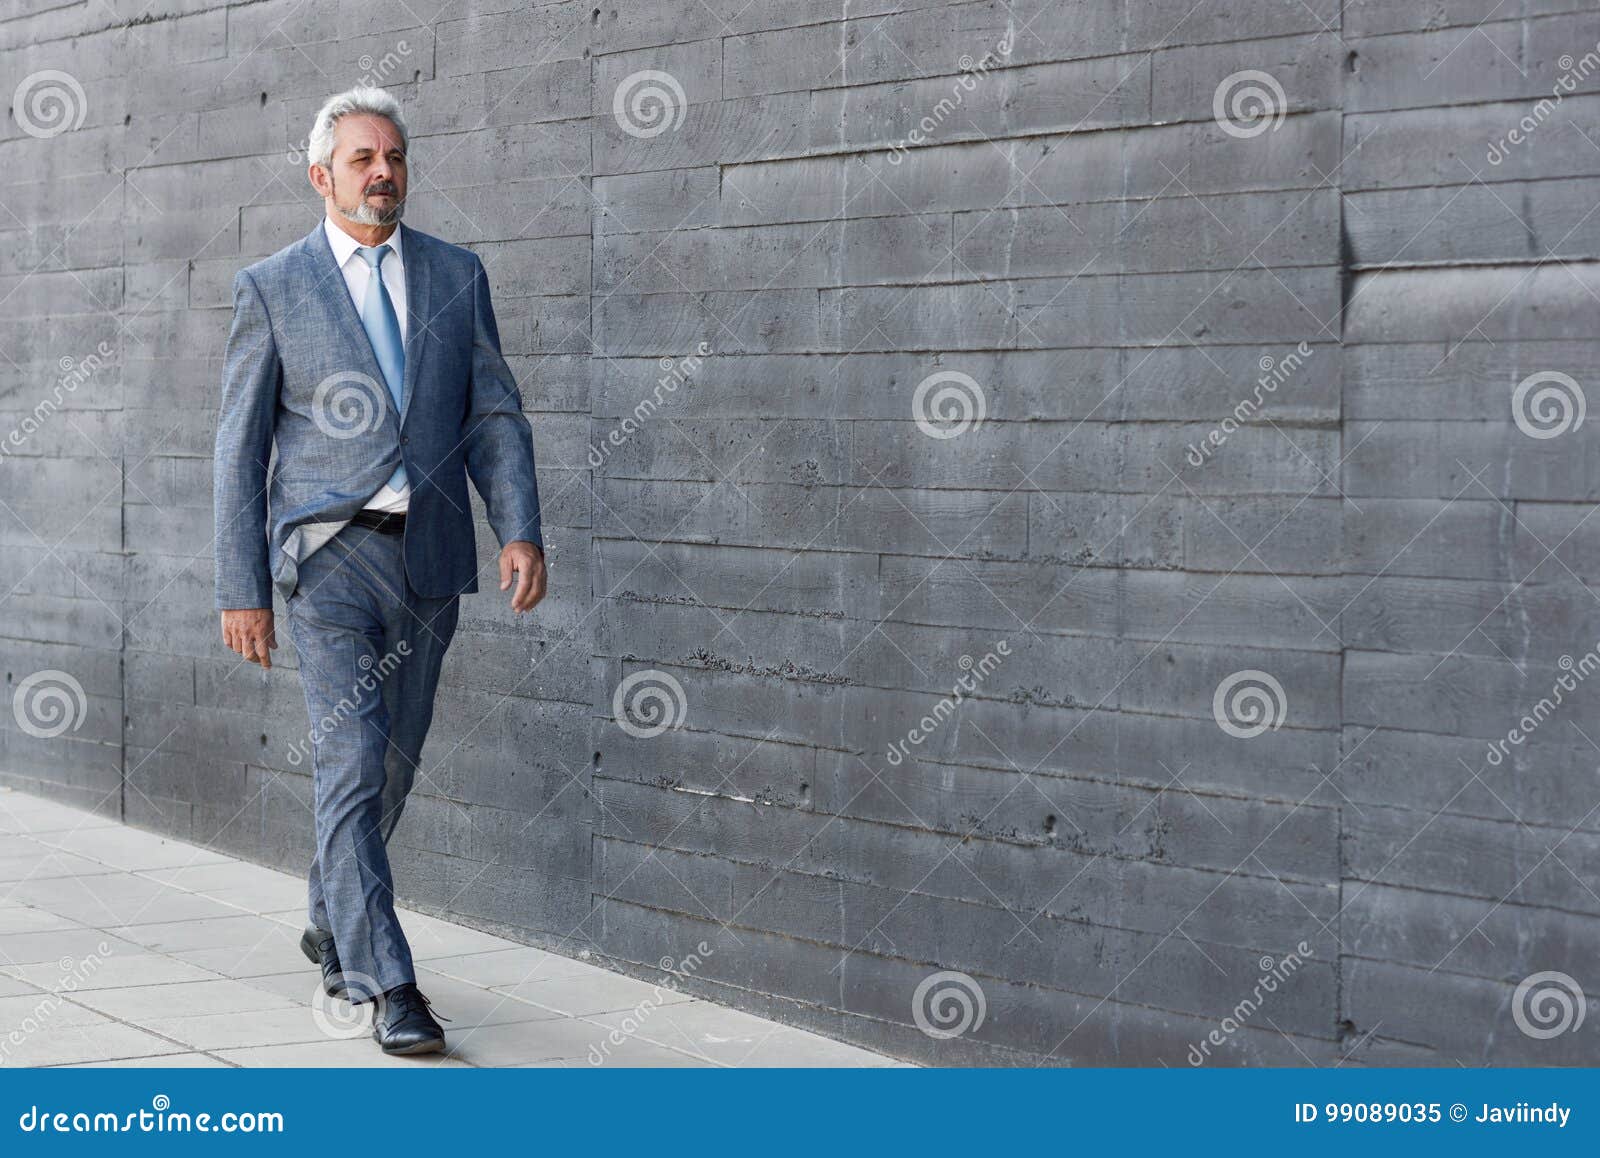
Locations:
365 214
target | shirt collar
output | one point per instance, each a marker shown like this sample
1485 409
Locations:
344 246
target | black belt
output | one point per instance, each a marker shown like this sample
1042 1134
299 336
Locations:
390 523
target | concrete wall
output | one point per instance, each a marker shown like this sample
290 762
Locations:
836 214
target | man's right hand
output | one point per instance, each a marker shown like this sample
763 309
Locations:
248 631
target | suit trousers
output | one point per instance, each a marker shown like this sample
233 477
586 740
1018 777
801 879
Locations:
370 650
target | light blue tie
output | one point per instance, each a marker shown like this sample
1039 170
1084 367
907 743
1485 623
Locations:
383 329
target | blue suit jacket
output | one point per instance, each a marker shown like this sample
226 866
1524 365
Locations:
300 374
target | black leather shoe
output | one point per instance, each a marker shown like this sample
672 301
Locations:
402 1023
317 945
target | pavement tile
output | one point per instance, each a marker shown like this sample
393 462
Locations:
218 879
528 1041
217 1031
132 850
166 1061
22 813
59 820
737 1039
119 899
431 938
45 864
21 919
43 1012
582 996
273 955
342 1054
462 1003
115 971
14 986
101 1041
512 967
64 945
625 1052
141 1003
241 930
124 948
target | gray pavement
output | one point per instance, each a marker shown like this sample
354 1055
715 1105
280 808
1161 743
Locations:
123 948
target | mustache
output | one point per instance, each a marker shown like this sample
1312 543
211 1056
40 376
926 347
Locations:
381 187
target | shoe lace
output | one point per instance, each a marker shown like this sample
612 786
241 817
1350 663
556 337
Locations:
407 999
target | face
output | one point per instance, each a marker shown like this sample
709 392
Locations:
366 183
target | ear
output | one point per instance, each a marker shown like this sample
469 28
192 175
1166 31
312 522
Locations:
318 176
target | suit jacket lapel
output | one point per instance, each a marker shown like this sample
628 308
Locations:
418 315
335 295
335 298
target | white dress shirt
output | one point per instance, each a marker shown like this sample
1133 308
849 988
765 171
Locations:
356 272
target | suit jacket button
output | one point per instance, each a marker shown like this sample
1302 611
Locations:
405 438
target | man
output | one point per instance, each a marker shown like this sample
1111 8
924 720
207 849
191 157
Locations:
368 354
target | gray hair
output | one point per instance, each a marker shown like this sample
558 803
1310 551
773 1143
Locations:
361 99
